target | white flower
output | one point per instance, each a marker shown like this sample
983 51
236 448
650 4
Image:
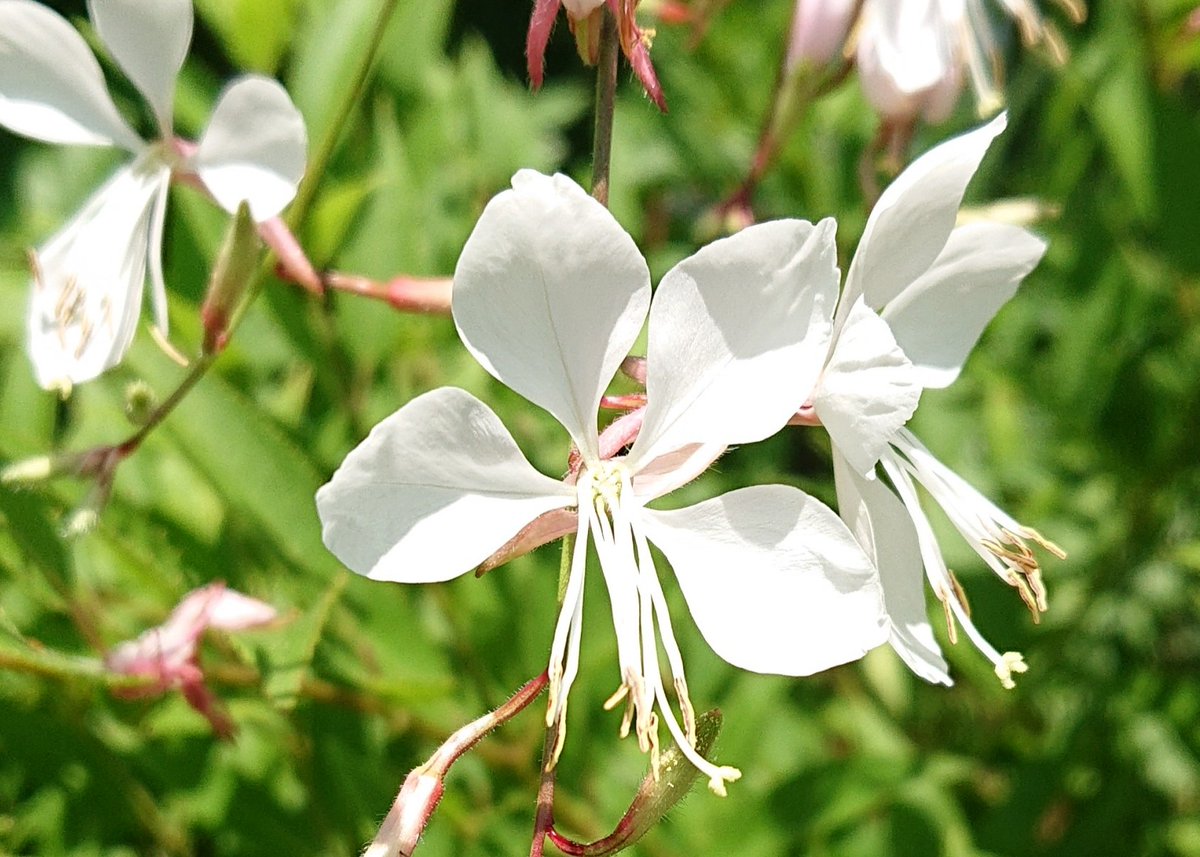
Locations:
549 295
909 58
936 287
89 277
915 55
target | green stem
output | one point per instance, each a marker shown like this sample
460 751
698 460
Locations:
48 664
606 90
322 154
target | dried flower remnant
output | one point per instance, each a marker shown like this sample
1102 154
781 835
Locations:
88 279
585 18
168 654
550 293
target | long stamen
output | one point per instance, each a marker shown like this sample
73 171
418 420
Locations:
667 634
943 583
564 650
717 775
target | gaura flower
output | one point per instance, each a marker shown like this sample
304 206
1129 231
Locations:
914 56
549 295
918 294
168 653
89 277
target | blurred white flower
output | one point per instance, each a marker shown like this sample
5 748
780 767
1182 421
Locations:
549 295
914 56
89 277
910 61
918 295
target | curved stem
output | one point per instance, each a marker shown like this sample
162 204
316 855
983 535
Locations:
353 94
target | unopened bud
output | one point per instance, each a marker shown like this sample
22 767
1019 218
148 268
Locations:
235 269
140 402
401 830
31 470
819 29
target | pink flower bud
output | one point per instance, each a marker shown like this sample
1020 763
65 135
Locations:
819 29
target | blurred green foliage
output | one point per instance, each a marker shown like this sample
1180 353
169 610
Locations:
1078 413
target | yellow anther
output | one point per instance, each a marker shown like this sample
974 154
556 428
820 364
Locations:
1009 663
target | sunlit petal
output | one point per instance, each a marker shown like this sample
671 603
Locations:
254 148
432 492
738 334
868 391
51 87
938 319
149 40
774 580
549 295
909 225
882 526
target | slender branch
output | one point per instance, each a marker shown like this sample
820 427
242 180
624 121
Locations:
197 371
353 95
48 664
606 90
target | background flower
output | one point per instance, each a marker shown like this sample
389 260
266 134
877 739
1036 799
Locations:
89 277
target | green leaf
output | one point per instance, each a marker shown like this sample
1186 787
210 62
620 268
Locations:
285 656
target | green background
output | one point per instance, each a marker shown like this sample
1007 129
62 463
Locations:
1078 413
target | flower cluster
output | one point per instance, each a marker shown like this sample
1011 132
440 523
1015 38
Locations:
744 336
88 279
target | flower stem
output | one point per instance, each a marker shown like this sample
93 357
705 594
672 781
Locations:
606 90
352 96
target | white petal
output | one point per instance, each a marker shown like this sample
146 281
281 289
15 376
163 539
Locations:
233 611
938 319
87 293
775 581
909 225
549 295
148 39
158 283
673 469
738 334
868 391
432 492
254 148
882 526
51 87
